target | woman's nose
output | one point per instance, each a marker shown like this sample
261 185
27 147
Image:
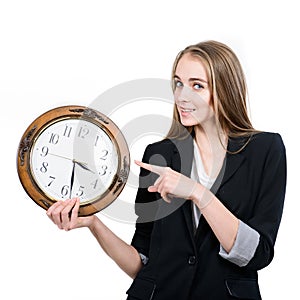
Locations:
183 94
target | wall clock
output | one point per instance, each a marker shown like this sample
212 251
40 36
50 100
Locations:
73 151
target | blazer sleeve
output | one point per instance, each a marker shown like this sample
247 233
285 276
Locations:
145 208
269 205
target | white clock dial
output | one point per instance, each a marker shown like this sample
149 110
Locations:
74 158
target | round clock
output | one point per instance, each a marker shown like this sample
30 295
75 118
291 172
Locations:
73 151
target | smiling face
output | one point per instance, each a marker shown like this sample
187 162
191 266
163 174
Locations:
192 91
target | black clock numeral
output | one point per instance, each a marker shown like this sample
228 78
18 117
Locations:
80 191
83 132
104 155
65 190
67 131
45 151
54 138
44 166
94 183
96 142
51 180
103 170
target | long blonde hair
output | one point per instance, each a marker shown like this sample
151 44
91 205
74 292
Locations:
228 87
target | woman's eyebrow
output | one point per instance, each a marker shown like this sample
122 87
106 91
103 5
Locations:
192 79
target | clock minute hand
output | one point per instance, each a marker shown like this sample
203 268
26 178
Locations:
72 178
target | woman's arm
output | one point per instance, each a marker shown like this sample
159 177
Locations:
173 184
222 222
123 254
65 215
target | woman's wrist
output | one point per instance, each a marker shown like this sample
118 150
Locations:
90 222
201 196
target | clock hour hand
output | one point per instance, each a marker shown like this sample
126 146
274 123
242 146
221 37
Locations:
83 166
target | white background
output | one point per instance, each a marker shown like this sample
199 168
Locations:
62 52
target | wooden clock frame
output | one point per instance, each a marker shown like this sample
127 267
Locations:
38 125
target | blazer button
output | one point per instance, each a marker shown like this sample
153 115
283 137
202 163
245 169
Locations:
192 260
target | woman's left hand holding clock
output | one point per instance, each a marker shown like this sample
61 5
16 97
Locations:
64 214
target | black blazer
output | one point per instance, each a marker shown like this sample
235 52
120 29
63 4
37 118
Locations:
185 265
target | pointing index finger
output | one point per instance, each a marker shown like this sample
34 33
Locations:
152 168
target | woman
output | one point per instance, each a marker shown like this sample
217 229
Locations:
222 183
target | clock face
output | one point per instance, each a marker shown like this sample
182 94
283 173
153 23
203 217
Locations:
73 151
74 158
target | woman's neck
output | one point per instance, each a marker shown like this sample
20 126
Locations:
212 144
210 136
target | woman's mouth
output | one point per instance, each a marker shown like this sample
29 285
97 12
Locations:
187 110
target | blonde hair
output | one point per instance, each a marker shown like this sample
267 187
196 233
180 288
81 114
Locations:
228 87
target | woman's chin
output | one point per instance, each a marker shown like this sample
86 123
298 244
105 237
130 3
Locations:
187 122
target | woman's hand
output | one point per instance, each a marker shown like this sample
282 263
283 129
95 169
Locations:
64 214
173 184
170 183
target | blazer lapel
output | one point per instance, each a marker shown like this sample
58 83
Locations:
182 162
231 162
182 158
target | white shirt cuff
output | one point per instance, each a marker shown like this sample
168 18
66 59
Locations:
244 247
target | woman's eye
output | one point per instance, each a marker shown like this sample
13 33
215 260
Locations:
197 86
178 84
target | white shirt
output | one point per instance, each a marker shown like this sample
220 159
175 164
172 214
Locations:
199 174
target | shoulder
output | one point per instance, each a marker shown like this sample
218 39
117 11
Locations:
163 147
266 141
258 142
168 150
260 146
158 151
163 144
